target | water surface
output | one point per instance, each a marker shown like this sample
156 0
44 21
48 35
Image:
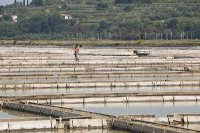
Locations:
160 109
50 91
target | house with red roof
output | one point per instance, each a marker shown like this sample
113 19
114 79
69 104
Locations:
67 16
14 18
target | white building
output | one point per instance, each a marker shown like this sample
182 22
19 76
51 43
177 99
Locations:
67 16
14 18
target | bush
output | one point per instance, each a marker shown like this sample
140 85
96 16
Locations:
128 8
102 6
188 14
176 14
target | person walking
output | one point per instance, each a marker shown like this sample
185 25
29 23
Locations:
76 51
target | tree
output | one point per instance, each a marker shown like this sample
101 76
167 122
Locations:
37 2
146 1
128 8
103 25
8 29
172 23
102 6
1 9
6 17
142 36
124 1
23 2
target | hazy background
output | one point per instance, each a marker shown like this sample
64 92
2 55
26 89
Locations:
4 2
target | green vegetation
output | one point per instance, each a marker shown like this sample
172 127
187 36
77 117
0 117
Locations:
95 20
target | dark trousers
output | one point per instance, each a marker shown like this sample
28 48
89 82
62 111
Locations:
76 55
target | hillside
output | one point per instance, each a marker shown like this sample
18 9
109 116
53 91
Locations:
102 20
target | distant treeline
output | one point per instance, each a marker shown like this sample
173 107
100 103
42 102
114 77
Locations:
101 20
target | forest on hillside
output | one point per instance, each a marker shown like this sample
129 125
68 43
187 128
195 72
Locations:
101 20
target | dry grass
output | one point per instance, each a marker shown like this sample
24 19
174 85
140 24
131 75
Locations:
142 43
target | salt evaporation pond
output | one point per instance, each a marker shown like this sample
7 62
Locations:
160 109
55 91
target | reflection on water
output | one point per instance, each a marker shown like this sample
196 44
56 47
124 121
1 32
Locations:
190 126
160 109
4 113
16 114
98 90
